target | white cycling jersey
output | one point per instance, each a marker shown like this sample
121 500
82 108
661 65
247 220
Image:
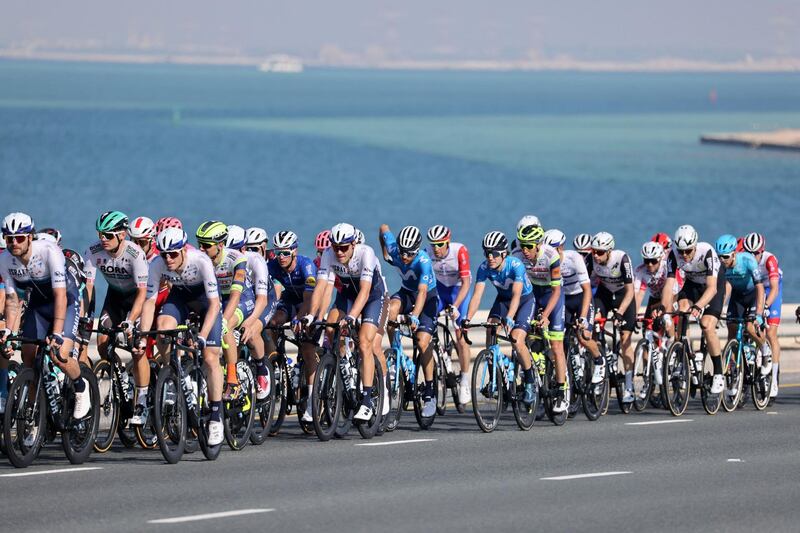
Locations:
573 272
257 274
704 263
195 277
643 280
363 266
616 273
124 273
451 268
45 270
539 270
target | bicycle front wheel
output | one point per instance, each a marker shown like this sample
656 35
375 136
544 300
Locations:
169 413
24 422
281 384
240 413
524 414
760 385
733 371
395 380
711 402
487 392
424 422
642 375
79 436
595 395
326 397
109 406
677 378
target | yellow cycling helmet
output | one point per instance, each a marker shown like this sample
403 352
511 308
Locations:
212 232
530 234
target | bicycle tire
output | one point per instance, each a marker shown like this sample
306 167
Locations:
367 430
395 380
17 413
440 381
281 383
146 435
760 386
109 406
326 397
424 422
486 383
169 415
524 414
79 437
677 378
572 354
240 413
550 384
733 372
711 402
642 375
595 394
204 414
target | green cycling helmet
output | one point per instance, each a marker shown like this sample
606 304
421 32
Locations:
530 234
111 221
212 232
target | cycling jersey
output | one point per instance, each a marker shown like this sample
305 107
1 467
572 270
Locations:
768 266
644 280
743 275
45 271
451 268
540 269
511 271
231 262
303 278
124 273
363 266
196 278
615 273
414 274
704 263
573 272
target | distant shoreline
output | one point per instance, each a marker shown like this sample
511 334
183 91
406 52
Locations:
660 65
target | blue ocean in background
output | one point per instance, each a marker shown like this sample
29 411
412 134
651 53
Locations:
583 151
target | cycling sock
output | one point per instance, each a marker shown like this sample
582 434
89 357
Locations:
528 375
79 385
231 376
428 393
774 373
464 377
141 395
717 362
216 411
3 383
629 380
261 367
366 397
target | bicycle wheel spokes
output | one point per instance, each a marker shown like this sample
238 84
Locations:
677 374
734 376
487 397
240 413
109 406
395 381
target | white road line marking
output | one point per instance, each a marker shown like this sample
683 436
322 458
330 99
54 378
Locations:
387 443
654 422
734 460
209 516
56 471
772 412
582 476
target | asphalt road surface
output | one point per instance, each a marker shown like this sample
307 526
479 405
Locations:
644 471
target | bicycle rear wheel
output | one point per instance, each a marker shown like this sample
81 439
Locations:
204 414
109 406
642 375
395 380
24 419
326 397
576 368
78 438
169 414
281 383
440 380
146 435
677 378
595 395
265 416
551 388
240 413
524 414
711 402
734 376
760 386
369 428
487 391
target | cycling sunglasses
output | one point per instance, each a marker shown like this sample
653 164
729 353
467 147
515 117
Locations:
341 247
19 239
493 253
440 244
408 253
206 245
651 261
107 235
170 255
282 253
725 257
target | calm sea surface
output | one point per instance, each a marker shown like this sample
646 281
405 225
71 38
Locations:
584 152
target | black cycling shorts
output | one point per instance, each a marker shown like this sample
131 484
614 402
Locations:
605 301
693 291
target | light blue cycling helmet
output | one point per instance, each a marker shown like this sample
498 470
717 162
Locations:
726 244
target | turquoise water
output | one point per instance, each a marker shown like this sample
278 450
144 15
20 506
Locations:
585 152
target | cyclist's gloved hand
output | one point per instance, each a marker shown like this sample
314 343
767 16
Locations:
583 323
414 320
350 321
509 322
667 318
453 312
5 332
760 321
307 320
618 318
55 339
126 326
201 342
465 323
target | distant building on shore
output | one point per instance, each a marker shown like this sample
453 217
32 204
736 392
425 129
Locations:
281 63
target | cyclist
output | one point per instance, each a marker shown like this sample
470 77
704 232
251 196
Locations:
297 276
362 295
417 298
613 272
577 290
651 276
194 289
527 220
53 233
746 289
454 285
703 291
322 242
772 277
543 265
167 222
242 304
514 303
124 266
143 232
664 240
256 240
39 268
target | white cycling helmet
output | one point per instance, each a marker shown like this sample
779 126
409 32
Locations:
582 241
41 236
409 239
603 241
685 238
359 237
171 239
284 240
495 240
141 228
554 238
236 237
255 236
17 224
343 233
438 233
528 220
652 250
754 243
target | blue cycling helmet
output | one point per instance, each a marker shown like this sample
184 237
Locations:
726 244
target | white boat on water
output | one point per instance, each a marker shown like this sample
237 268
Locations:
281 63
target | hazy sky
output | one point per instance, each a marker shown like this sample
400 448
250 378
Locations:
420 29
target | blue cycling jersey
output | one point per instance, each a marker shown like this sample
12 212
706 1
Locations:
419 271
303 278
510 272
744 275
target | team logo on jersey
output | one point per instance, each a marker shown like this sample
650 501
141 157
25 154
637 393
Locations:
95 248
311 281
505 285
132 251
